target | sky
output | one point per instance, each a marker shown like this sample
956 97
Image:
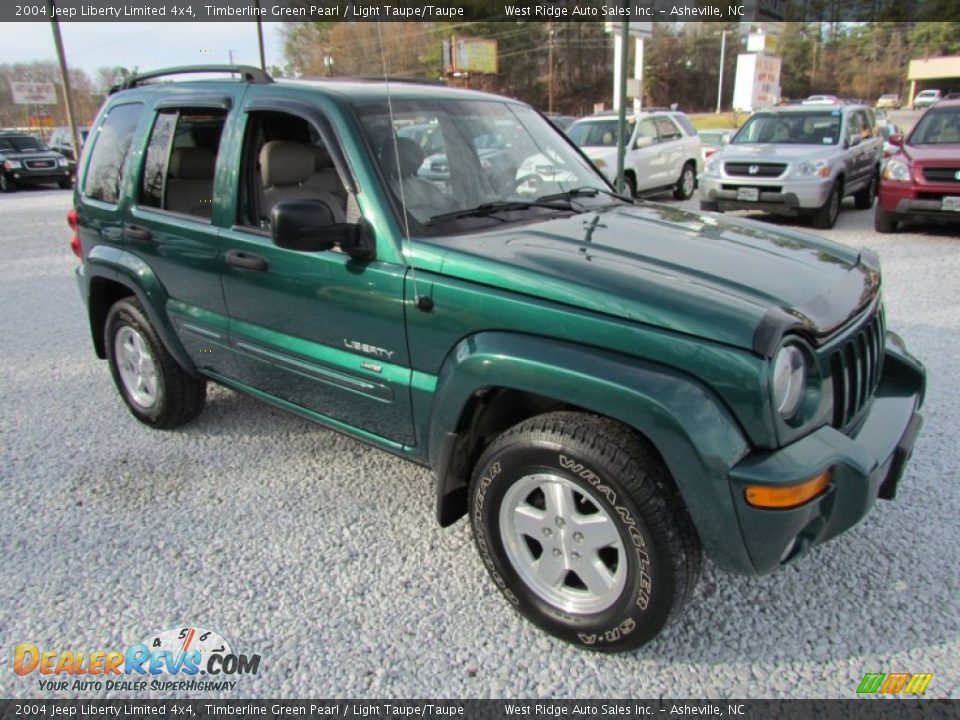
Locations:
148 45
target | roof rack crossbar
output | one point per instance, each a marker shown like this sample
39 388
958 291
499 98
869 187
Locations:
249 73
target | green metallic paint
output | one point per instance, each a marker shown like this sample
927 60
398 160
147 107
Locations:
858 465
648 314
694 433
112 264
463 308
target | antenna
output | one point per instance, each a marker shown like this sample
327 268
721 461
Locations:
424 303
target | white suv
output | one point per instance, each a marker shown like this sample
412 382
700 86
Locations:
663 150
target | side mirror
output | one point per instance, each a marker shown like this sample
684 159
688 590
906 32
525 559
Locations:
643 141
309 226
896 139
853 141
726 138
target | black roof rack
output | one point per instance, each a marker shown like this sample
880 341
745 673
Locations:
370 78
249 73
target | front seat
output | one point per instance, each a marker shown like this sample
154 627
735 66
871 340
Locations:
422 197
285 166
190 182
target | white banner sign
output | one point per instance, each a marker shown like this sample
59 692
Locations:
33 93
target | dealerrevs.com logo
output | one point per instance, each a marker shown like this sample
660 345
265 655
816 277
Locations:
184 658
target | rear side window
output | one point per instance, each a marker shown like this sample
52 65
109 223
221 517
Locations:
110 159
685 123
666 129
181 157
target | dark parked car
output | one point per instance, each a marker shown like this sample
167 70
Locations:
61 142
24 160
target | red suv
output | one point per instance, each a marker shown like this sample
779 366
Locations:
922 179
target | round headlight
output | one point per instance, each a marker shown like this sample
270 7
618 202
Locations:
789 379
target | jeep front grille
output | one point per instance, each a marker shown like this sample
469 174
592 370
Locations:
855 367
760 170
40 164
942 174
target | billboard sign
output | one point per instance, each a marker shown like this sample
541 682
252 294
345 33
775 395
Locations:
473 55
33 93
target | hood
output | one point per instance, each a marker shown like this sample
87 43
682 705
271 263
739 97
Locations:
29 154
945 154
775 152
735 281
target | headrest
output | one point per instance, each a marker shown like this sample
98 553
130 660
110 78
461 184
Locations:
283 162
411 157
192 163
321 158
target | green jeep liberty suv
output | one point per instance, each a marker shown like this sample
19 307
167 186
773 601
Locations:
605 388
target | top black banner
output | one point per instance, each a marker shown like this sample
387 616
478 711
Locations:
635 11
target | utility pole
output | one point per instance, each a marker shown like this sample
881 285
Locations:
723 51
622 110
64 79
263 57
550 67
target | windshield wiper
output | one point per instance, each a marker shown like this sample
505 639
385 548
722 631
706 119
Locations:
493 208
584 192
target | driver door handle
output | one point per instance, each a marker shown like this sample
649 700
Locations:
247 261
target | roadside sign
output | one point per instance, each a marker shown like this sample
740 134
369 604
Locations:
33 93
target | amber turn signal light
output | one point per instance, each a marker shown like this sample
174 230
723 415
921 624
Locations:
783 497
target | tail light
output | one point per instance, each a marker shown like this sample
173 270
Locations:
75 239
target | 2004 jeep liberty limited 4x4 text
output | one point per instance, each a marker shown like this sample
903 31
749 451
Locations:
605 388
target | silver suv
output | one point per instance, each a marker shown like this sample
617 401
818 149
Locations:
797 160
663 152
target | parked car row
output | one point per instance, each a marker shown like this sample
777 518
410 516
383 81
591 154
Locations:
25 160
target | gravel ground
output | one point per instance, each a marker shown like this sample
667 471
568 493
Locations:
323 556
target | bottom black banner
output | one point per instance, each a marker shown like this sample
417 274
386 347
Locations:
494 709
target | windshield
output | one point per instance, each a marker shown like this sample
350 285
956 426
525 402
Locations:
20 144
480 154
940 126
795 128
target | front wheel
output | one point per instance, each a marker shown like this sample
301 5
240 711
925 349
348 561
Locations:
686 183
157 390
579 525
826 216
883 221
7 185
66 184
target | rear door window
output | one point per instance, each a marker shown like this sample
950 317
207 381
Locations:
181 157
110 158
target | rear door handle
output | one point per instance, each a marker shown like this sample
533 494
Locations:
247 261
137 233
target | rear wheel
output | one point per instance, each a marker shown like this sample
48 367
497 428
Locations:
579 525
686 183
883 221
157 390
826 216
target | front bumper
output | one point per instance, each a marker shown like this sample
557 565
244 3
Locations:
864 465
919 199
784 196
23 176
